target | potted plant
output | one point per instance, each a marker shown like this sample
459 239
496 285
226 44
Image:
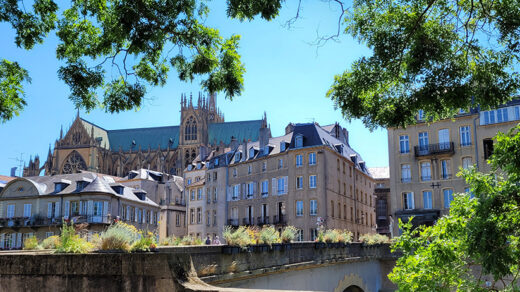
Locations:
287 236
267 237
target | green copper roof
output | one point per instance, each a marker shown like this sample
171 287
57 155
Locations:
247 130
98 133
131 139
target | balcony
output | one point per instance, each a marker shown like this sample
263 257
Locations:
233 222
434 149
248 221
280 220
262 220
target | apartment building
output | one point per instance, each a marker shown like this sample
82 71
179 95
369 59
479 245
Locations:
195 190
381 177
37 205
167 191
308 177
425 158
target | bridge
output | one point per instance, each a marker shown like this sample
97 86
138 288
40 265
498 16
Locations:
298 267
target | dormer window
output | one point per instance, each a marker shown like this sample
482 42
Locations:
339 148
190 167
141 194
282 146
298 142
266 149
61 185
119 189
420 115
199 165
216 161
251 152
237 157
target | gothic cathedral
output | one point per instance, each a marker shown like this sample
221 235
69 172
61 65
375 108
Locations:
202 132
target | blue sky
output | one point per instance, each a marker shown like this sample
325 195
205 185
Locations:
286 77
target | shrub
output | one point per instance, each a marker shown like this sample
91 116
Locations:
288 234
186 240
240 236
145 242
119 236
51 242
31 243
268 235
167 241
70 242
331 236
345 236
375 238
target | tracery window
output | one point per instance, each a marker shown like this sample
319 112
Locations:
190 130
74 163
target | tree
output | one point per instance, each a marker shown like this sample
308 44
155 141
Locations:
478 241
133 38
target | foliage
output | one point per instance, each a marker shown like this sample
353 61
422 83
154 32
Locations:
331 236
481 231
288 234
345 236
239 237
373 238
268 235
31 243
167 241
70 242
187 240
119 236
51 242
145 242
119 48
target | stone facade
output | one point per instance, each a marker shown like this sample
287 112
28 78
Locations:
38 205
86 146
425 158
381 176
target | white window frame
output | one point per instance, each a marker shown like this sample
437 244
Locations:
265 188
299 182
408 201
427 200
312 181
313 207
27 210
312 158
426 171
299 208
299 160
465 136
404 144
406 173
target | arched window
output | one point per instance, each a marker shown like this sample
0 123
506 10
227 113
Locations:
190 130
74 163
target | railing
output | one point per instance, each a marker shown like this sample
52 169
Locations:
432 149
279 219
262 220
233 222
248 221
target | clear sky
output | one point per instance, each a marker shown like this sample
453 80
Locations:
286 77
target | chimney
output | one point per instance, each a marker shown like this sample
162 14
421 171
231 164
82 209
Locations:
234 143
289 128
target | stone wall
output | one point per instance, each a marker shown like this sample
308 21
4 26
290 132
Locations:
170 269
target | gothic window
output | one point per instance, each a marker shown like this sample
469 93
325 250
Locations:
74 163
190 130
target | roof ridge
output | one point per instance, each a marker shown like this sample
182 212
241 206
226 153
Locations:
93 124
144 128
236 122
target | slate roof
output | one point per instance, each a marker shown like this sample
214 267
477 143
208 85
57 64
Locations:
169 135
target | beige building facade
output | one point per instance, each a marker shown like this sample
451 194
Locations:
38 205
426 157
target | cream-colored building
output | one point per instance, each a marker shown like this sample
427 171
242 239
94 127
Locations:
195 193
307 177
425 158
381 177
38 205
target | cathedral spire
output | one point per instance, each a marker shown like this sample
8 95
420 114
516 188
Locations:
191 99
212 101
61 132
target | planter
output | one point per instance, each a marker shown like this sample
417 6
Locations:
319 245
259 248
286 246
277 246
227 249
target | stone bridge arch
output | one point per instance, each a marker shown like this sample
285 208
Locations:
351 283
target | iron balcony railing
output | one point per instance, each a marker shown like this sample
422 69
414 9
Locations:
279 219
433 149
248 221
262 220
233 222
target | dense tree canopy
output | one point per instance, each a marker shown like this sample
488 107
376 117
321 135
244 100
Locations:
478 241
140 40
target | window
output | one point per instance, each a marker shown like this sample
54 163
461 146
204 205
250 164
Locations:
235 172
420 115
265 188
312 181
444 139
423 141
448 197
237 157
199 215
215 195
282 185
208 196
517 112
251 152
406 174
465 136
312 158
408 203
139 214
208 219
192 195
250 189
299 160
236 192
280 163
314 234
10 211
404 144
502 115
249 169
214 217
215 176
426 172
299 235
264 166
467 190
199 194
188 182
299 208
190 130
177 219
489 117
467 162
298 142
313 207
445 169
299 182
27 210
427 199
282 146
488 148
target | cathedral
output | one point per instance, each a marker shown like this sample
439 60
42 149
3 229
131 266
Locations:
202 132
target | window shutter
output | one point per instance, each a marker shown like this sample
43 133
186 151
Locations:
49 210
57 211
412 201
66 211
105 208
286 179
19 240
273 186
90 208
